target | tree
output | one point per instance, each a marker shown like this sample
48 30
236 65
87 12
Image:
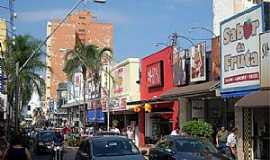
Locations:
28 76
90 59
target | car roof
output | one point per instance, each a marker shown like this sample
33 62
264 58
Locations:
176 137
112 137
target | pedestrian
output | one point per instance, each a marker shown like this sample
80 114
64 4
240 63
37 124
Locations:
231 143
176 131
221 137
3 146
130 133
16 150
115 129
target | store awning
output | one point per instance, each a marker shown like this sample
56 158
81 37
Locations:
73 104
255 99
191 90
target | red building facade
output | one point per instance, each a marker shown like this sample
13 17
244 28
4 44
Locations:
157 78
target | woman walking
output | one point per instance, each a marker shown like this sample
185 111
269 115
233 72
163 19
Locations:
17 151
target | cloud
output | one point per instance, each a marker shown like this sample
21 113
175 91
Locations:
41 15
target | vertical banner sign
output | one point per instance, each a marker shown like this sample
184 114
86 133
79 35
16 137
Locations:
215 58
197 62
265 59
119 77
155 74
179 67
240 51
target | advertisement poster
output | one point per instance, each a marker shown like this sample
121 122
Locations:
215 59
179 67
265 59
197 62
119 77
240 51
154 74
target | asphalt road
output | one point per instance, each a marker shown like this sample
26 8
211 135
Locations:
69 154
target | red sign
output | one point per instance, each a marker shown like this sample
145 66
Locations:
154 75
242 77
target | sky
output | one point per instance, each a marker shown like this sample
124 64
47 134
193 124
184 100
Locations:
137 24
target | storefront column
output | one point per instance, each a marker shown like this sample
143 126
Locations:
176 108
239 125
183 111
141 128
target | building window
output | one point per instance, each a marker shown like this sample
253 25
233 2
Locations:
29 108
81 17
81 30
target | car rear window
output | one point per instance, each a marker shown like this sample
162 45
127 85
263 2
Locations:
194 145
46 136
113 147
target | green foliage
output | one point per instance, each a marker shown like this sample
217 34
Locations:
24 46
198 129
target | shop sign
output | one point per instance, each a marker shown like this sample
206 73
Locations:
3 105
265 59
240 51
119 76
179 67
118 104
77 79
154 75
93 90
197 62
215 58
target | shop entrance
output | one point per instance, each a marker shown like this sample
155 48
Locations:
261 133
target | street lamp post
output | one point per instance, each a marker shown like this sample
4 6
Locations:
204 29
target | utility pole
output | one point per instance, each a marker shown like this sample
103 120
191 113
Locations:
17 104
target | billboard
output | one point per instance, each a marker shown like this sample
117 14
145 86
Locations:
240 51
265 59
197 63
215 59
119 76
154 75
179 67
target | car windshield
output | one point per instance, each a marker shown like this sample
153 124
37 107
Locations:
193 145
46 136
113 147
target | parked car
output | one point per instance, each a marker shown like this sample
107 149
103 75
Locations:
108 148
44 140
185 148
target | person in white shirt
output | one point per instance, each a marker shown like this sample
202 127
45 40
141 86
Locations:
176 131
114 129
232 141
130 133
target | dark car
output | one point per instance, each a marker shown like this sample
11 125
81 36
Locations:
108 148
44 139
185 148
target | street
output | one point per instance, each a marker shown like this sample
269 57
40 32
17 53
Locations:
69 154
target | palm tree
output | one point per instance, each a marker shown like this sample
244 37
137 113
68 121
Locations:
28 76
90 59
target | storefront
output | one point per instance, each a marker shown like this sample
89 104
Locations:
243 73
157 117
124 89
256 124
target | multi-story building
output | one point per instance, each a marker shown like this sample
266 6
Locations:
223 9
78 26
3 97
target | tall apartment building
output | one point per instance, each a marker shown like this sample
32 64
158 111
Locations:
223 9
79 25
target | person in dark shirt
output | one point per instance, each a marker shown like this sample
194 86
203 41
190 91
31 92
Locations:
16 150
